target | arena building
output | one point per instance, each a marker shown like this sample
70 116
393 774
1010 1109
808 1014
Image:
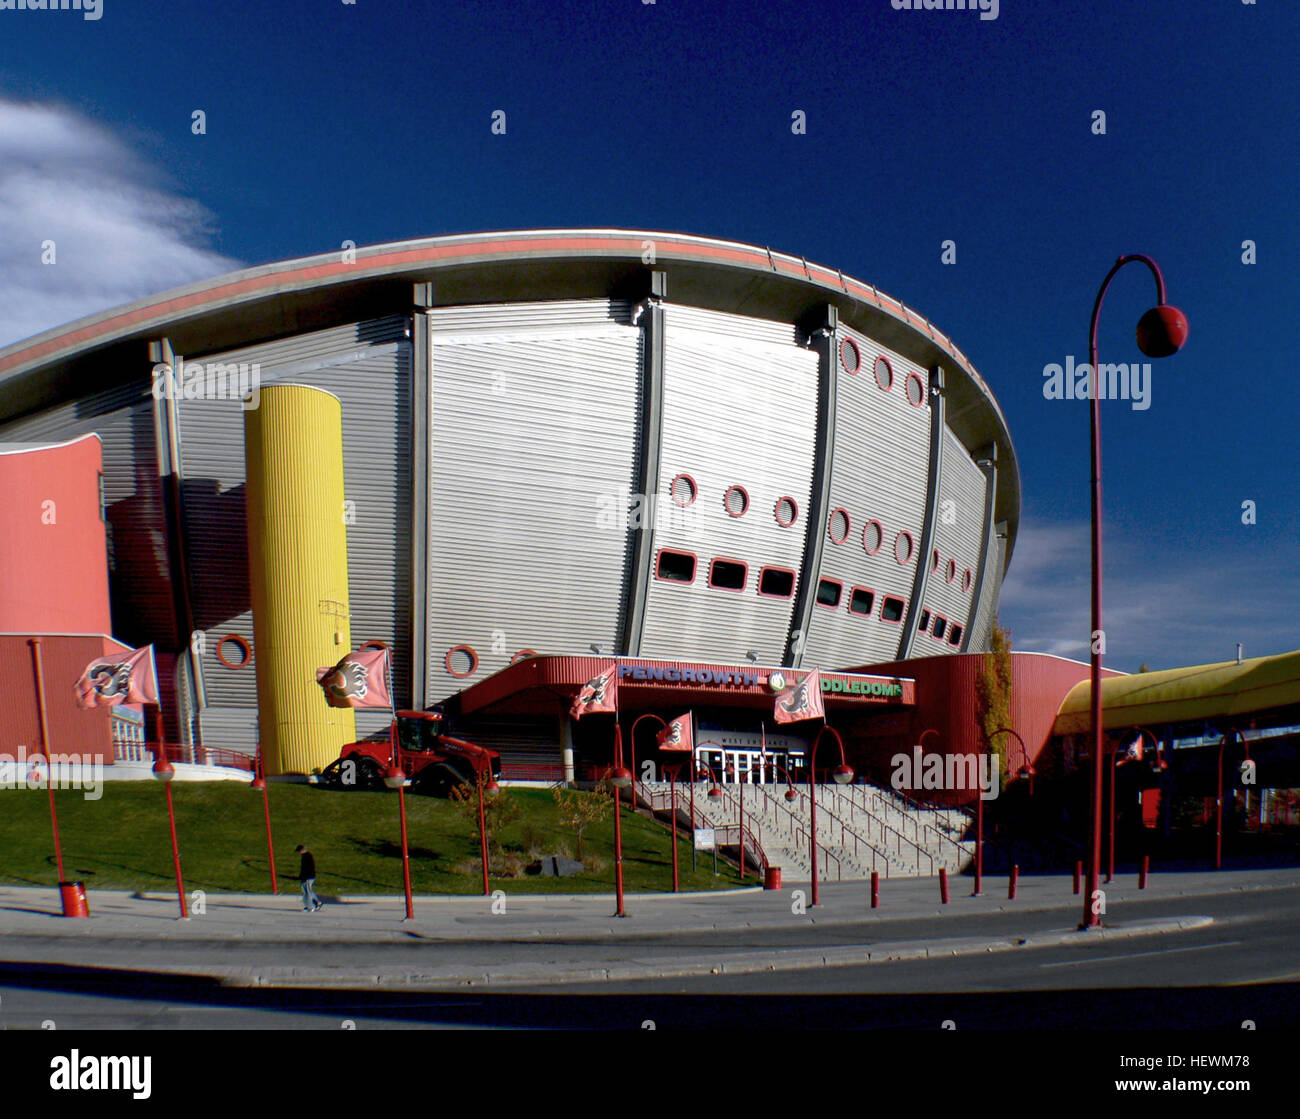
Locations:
501 454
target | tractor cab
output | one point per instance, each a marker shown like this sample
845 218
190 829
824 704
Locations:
419 731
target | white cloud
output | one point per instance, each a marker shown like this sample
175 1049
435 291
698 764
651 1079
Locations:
118 234
1167 608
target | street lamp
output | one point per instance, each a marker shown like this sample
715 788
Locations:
395 778
1160 332
842 775
1114 765
620 778
1218 802
258 784
164 771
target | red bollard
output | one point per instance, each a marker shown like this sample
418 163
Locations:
1078 871
1142 872
943 884
875 889
1011 883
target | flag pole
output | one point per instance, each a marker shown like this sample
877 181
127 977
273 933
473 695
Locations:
38 668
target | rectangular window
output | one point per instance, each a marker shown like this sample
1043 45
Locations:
676 567
862 601
891 610
954 635
728 575
776 582
924 622
828 593
940 625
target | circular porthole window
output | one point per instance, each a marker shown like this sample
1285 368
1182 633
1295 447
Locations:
934 560
839 526
736 501
523 654
873 536
786 511
233 651
903 546
967 580
461 661
850 357
915 390
884 373
951 573
683 489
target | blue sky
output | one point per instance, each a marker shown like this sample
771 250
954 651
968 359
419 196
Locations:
371 122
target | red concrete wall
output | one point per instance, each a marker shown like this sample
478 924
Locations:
53 547
63 658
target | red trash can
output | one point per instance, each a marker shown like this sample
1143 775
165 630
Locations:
74 899
772 879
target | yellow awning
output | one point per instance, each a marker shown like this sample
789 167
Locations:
1175 695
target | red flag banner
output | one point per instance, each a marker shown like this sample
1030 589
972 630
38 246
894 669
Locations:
802 701
677 735
359 680
129 676
600 693
1134 752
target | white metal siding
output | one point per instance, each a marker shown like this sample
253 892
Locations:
533 420
989 595
880 469
368 367
962 490
740 408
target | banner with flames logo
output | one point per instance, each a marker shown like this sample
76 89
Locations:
359 680
677 735
803 701
598 694
129 676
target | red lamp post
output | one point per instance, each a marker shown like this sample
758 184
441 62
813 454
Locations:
979 807
1114 765
1162 331
1218 802
842 775
620 778
165 772
38 669
259 784
482 820
395 778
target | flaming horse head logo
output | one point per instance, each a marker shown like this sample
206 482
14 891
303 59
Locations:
111 679
594 692
674 736
347 680
798 702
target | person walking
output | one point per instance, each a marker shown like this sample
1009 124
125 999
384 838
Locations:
307 875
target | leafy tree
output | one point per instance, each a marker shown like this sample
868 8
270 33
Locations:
579 810
993 695
499 811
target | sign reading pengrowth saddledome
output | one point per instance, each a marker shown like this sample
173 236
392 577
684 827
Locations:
878 689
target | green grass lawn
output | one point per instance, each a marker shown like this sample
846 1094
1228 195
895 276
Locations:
121 842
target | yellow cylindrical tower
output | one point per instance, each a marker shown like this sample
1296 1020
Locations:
298 572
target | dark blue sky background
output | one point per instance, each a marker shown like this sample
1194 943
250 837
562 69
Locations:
371 122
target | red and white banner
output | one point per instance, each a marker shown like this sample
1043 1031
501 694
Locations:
598 694
359 680
1134 753
129 676
803 701
677 735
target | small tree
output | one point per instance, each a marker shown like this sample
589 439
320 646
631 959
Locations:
993 695
499 811
579 810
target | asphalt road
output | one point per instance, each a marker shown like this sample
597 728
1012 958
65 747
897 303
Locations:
1244 966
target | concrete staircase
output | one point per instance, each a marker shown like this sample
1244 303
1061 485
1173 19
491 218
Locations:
860 828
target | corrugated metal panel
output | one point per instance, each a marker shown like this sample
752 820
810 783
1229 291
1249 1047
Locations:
368 367
989 593
962 495
139 573
739 409
532 445
527 742
882 454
